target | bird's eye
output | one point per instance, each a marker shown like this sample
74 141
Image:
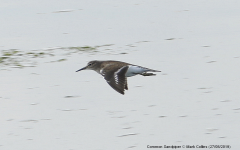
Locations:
90 64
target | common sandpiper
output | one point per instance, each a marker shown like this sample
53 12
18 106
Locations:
116 72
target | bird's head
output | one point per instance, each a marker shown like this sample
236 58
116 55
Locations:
92 65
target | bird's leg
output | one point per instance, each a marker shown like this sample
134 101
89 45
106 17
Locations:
147 74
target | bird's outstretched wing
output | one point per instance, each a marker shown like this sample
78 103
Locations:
117 79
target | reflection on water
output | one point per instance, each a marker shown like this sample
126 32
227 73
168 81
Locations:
15 58
19 58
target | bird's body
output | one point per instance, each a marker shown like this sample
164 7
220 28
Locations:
116 72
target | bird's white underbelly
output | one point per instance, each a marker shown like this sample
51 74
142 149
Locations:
134 70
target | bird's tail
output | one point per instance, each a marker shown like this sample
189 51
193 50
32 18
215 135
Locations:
151 70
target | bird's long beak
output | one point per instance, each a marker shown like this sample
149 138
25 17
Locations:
81 69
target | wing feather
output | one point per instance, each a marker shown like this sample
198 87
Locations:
117 79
